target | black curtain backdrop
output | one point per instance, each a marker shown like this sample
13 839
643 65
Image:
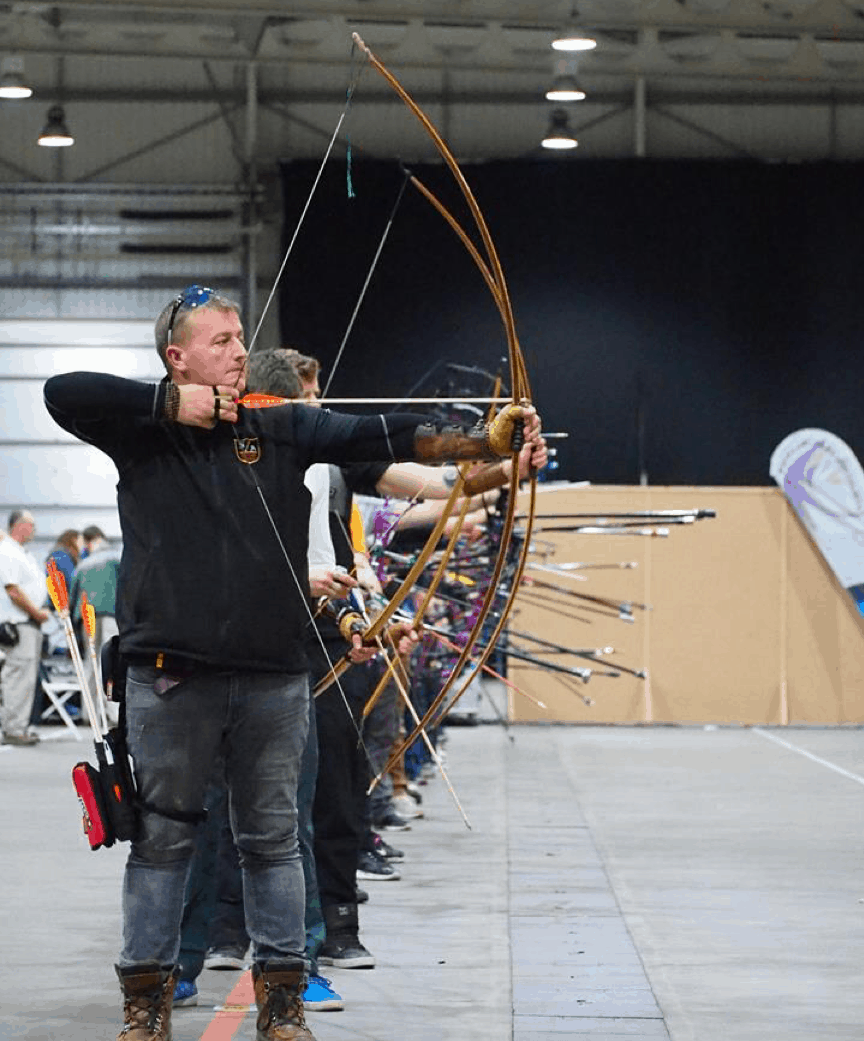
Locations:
722 302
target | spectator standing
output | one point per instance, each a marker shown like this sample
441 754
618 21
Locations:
93 537
66 553
22 603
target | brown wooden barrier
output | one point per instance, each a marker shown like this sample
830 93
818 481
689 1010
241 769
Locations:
747 623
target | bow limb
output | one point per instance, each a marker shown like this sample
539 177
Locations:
466 241
496 675
520 388
420 563
519 385
406 587
465 655
441 570
429 593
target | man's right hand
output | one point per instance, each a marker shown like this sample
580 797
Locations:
204 406
327 581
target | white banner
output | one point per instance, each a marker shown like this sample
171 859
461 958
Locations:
823 480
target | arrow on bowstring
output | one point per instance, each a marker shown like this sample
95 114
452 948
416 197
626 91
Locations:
380 622
438 635
666 516
552 600
601 600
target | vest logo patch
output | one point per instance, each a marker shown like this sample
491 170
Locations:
247 449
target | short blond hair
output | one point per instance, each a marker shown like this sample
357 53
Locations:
216 302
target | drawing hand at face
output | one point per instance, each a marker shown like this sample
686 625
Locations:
204 406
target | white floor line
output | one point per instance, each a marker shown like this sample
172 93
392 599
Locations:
809 755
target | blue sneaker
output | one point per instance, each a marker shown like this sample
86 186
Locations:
319 996
185 993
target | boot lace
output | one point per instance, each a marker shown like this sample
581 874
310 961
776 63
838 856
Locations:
144 1010
285 1007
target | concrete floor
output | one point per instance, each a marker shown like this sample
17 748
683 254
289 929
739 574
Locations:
648 884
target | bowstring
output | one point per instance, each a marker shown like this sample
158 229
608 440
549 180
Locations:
368 279
349 96
304 600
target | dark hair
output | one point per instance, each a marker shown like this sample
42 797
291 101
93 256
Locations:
92 532
68 540
215 303
273 372
16 516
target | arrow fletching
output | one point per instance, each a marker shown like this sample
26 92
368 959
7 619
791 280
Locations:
262 401
57 588
89 616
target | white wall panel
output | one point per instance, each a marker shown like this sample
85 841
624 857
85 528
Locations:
65 485
65 332
39 363
50 475
24 416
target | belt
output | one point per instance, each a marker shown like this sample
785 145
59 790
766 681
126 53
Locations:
172 664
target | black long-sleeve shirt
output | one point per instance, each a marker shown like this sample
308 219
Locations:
203 575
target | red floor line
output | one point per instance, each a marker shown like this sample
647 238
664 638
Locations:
227 1020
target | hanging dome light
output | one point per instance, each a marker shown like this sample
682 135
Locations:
55 133
565 88
559 136
12 82
573 39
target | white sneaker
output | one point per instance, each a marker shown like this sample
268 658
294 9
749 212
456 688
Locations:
405 806
225 958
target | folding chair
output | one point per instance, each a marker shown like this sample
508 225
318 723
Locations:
59 686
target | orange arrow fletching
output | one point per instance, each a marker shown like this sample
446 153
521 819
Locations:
57 587
263 401
89 616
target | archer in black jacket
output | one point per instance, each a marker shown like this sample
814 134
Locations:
211 612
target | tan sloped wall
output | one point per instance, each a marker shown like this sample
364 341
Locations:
747 623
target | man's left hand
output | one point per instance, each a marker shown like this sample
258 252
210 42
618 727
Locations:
534 456
502 427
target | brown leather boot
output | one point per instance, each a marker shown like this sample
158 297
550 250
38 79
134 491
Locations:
279 990
148 991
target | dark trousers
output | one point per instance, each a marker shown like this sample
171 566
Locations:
339 809
206 879
213 912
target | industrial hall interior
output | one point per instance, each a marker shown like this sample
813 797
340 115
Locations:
430 453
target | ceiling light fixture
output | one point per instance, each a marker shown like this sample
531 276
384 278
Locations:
565 88
55 133
572 38
559 136
574 42
12 82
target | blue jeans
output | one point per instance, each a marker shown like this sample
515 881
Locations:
259 722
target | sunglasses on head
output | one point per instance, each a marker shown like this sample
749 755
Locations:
190 298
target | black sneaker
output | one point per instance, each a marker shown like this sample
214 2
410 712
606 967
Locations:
384 849
346 952
371 867
392 822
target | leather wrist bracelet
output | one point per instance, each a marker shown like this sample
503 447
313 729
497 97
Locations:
171 409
